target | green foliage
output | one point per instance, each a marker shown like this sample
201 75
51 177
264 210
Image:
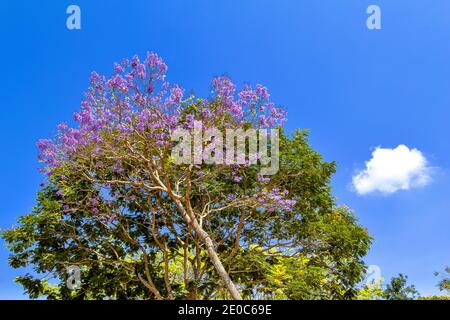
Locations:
313 252
444 283
397 289
371 291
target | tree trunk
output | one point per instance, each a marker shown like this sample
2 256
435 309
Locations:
204 236
218 264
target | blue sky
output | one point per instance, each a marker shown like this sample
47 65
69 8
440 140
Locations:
354 88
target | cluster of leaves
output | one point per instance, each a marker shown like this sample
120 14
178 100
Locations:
398 290
444 284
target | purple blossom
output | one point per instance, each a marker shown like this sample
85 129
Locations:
157 64
231 197
223 86
237 179
118 68
262 92
176 94
248 96
94 201
117 168
189 121
275 199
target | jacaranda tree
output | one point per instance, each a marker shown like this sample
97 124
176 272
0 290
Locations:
141 224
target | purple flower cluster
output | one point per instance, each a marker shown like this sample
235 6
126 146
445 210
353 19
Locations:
136 100
275 199
249 105
47 153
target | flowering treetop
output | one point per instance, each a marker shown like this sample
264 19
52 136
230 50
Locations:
137 103
137 98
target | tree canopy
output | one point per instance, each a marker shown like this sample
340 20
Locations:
142 226
398 289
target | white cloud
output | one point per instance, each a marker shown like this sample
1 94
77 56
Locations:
391 170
